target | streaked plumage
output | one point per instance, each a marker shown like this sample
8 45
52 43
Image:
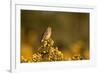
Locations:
47 34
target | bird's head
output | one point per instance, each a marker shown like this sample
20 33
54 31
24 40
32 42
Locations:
49 28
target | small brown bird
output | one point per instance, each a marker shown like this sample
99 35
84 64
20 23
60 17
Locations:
47 34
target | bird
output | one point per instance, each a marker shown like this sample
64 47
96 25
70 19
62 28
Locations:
47 34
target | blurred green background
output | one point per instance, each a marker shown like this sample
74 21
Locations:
68 28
